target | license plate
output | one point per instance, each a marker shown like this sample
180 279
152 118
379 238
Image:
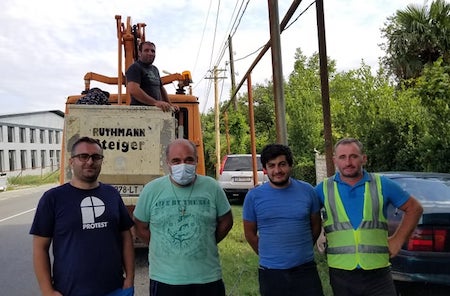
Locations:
129 190
242 179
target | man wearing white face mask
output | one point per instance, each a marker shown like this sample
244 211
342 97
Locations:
186 215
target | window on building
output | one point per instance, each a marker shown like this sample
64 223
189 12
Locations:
33 159
23 159
58 156
41 136
32 135
52 158
2 161
11 137
43 158
57 137
1 133
22 136
12 160
50 137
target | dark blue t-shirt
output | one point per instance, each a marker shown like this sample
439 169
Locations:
147 76
85 227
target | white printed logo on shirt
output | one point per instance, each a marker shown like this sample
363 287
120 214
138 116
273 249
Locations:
91 208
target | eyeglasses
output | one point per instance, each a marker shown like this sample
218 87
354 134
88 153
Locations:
84 157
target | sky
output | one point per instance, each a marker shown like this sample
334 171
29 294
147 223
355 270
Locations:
47 46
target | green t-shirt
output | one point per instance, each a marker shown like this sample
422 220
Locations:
183 221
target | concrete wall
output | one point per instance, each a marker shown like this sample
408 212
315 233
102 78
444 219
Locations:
321 168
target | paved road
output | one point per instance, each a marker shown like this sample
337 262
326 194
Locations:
17 278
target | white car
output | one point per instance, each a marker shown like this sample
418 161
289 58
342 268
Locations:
236 175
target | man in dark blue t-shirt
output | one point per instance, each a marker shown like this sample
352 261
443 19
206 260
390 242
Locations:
89 227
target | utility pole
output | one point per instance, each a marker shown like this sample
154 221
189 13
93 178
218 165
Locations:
216 115
277 72
325 88
216 120
227 132
233 82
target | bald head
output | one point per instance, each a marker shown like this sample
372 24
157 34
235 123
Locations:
183 144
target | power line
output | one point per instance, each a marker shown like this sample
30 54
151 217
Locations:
237 20
238 16
287 27
203 35
301 13
223 50
215 33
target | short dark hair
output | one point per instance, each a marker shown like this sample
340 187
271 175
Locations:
272 151
346 141
84 140
145 42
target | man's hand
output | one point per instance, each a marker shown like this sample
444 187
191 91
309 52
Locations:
394 246
165 106
321 242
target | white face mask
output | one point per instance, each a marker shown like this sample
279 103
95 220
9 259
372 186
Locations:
183 173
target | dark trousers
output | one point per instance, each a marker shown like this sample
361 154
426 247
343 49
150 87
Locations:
300 280
359 282
216 288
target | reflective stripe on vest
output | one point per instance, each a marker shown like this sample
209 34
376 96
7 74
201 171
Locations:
367 245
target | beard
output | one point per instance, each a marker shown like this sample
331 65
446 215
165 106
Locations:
353 174
281 183
90 178
89 175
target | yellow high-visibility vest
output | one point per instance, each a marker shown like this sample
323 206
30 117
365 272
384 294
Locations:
367 246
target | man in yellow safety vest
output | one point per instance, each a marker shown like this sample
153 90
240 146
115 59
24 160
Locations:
354 221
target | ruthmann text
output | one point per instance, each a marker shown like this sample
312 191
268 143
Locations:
121 145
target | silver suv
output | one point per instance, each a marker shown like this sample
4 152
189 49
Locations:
236 175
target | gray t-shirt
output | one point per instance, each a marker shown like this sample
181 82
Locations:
147 76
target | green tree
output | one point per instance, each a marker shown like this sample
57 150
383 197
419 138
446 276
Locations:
264 110
209 142
415 37
304 113
402 128
433 87
388 121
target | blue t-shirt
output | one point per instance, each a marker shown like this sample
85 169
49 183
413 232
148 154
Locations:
183 221
283 223
85 227
353 196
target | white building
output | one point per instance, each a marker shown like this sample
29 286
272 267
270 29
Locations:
30 143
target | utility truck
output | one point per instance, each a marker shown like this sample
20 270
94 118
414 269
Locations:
134 138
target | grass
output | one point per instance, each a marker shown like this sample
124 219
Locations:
240 263
32 180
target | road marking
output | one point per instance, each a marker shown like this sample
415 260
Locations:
13 216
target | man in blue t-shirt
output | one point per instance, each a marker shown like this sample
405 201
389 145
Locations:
88 226
281 224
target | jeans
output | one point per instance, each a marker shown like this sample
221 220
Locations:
216 288
300 280
360 282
